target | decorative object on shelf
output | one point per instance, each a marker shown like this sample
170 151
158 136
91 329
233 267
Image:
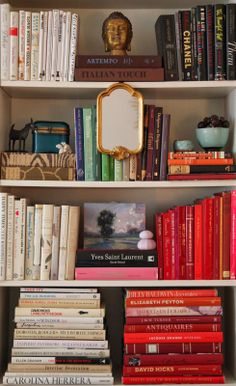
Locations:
213 132
183 145
117 34
63 148
20 136
47 134
120 121
146 242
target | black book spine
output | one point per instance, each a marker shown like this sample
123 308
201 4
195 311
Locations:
81 360
201 42
231 41
186 44
157 142
166 45
210 41
192 169
220 35
194 44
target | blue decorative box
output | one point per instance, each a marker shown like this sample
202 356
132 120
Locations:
48 134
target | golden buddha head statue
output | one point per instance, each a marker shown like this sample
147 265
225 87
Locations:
117 33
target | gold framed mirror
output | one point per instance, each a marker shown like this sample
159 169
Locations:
120 121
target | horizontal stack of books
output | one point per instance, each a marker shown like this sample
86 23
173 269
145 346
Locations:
216 165
38 45
37 166
197 241
173 336
59 338
148 165
38 241
198 43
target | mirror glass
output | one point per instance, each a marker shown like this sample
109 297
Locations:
120 121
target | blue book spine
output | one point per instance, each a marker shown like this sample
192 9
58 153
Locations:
79 143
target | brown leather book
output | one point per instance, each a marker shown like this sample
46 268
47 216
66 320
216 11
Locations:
119 74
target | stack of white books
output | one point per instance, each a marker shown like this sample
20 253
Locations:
38 45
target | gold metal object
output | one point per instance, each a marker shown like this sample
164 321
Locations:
117 33
120 121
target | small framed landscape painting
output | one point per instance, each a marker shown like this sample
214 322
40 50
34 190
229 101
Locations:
113 225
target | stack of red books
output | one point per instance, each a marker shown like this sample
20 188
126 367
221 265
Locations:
173 336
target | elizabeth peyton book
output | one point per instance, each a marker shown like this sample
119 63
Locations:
113 225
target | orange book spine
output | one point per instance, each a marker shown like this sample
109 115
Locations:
173 302
219 161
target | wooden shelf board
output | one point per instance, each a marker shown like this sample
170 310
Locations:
119 283
117 184
86 90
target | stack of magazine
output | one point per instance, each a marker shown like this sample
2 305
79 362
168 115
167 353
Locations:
59 338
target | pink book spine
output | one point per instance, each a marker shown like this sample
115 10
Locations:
167 245
233 236
159 238
108 273
216 237
176 243
175 311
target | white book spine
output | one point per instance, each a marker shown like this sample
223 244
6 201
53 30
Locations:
63 241
48 343
49 289
29 254
10 236
56 379
55 241
4 48
63 41
21 53
59 326
67 47
73 45
41 36
58 352
20 268
56 319
59 50
55 37
35 295
13 32
72 242
3 234
27 45
35 46
37 241
49 47
126 169
45 34
46 247
17 231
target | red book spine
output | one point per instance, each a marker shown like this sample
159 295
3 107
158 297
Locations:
189 243
233 236
169 293
202 176
165 359
200 337
179 327
197 155
173 348
198 241
150 142
216 238
207 211
182 242
172 244
176 244
173 302
159 238
226 235
172 380
149 371
219 161
173 311
174 319
167 245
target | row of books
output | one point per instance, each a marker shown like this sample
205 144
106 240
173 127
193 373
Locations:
173 336
59 338
197 241
198 44
38 45
201 165
150 164
37 166
37 241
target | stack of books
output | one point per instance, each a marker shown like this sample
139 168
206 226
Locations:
38 45
37 166
38 241
173 336
148 165
59 338
197 241
211 165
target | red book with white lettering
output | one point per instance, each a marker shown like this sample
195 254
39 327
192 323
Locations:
171 337
207 219
173 302
233 236
149 371
166 359
172 380
166 245
172 327
189 243
198 241
169 293
173 348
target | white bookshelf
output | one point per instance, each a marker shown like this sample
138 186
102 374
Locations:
187 102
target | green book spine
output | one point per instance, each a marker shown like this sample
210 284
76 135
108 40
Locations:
112 168
105 167
118 166
89 158
97 154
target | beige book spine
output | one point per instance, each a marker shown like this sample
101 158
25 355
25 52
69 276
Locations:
46 247
63 241
68 303
19 367
21 333
29 253
60 312
37 240
72 241
3 234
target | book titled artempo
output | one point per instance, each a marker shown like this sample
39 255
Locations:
126 61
